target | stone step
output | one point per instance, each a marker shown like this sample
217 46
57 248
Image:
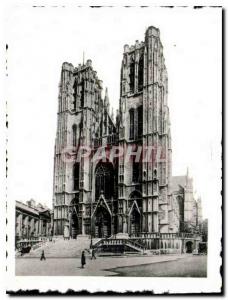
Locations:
61 248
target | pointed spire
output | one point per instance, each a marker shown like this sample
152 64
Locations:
187 175
106 100
112 114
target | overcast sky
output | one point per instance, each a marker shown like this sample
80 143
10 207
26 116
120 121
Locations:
40 39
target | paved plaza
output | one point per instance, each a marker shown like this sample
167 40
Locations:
162 265
193 266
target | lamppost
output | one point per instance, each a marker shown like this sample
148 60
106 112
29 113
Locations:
91 227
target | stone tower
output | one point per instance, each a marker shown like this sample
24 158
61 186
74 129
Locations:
79 113
144 121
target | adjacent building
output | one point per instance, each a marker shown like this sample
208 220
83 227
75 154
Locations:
32 220
188 209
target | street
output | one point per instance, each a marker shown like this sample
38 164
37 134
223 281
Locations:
194 266
151 266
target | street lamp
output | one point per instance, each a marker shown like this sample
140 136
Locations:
91 238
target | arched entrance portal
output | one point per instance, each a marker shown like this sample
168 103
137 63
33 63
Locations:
74 220
74 225
102 223
189 247
135 209
135 220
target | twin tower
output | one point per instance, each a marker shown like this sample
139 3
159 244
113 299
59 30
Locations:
119 194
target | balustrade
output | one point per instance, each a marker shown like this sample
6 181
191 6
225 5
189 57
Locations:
106 140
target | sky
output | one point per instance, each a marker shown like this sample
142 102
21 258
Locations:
41 39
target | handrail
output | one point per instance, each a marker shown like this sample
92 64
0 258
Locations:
105 241
140 241
164 235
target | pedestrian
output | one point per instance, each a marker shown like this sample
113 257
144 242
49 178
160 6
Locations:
42 256
83 259
93 254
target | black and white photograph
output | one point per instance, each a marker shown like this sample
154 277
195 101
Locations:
114 131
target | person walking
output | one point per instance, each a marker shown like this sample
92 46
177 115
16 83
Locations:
83 259
42 256
93 254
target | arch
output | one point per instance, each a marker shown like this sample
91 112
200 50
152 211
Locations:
135 205
132 75
104 180
180 202
140 73
74 135
74 220
75 95
102 222
76 172
155 173
189 246
136 196
74 224
74 201
135 221
140 120
82 93
132 123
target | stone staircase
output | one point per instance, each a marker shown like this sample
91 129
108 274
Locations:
62 248
119 244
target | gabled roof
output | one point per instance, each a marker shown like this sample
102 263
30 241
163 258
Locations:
136 206
101 201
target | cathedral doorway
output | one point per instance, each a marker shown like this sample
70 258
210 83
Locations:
74 221
74 225
135 221
189 247
102 223
135 210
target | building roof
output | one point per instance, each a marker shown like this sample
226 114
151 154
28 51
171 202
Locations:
36 210
25 207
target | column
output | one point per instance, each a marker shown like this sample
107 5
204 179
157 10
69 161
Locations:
40 227
19 226
32 227
26 223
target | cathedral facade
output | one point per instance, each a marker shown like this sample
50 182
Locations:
117 193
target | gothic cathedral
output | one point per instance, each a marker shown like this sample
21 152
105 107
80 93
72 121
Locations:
106 197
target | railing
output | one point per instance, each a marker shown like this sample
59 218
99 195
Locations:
106 140
136 242
111 139
120 242
145 235
164 235
29 242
